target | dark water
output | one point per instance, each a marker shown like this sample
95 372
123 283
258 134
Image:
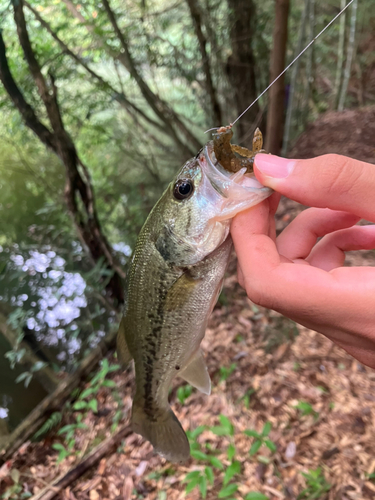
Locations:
16 400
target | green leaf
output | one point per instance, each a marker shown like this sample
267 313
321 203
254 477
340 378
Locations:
114 368
203 486
93 405
210 475
80 405
232 470
58 446
270 445
231 451
28 380
66 428
22 376
194 446
199 455
227 424
219 430
215 462
252 433
228 490
304 407
255 495
15 475
87 392
38 366
193 483
197 432
266 429
192 475
109 383
255 447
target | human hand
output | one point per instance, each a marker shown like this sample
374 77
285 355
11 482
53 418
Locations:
300 277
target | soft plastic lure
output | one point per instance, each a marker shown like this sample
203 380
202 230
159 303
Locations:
232 157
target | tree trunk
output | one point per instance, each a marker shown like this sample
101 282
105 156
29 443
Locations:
340 56
275 116
309 65
241 63
349 56
197 21
293 80
79 194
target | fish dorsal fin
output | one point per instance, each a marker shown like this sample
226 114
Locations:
123 352
196 374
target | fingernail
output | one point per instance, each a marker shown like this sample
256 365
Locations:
274 166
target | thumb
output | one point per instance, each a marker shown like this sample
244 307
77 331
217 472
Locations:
329 181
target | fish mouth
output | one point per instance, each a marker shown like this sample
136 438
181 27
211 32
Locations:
239 190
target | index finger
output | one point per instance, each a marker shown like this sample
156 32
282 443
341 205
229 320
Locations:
329 181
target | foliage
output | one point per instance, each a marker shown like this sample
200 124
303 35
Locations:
306 409
261 439
84 403
183 392
316 485
52 421
203 478
226 372
14 490
28 375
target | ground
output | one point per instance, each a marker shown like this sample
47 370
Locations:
314 403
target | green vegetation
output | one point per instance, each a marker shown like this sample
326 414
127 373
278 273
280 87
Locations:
183 392
85 401
226 372
204 477
306 409
261 439
316 485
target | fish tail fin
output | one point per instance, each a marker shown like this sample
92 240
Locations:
165 433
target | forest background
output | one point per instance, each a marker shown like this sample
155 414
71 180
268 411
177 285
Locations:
101 102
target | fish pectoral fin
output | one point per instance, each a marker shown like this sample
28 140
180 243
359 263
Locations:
196 374
180 292
123 352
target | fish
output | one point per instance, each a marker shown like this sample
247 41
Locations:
175 277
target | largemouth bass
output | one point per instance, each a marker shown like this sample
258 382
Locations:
175 277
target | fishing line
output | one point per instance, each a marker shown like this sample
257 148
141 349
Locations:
289 65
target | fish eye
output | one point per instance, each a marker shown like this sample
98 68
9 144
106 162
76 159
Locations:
183 189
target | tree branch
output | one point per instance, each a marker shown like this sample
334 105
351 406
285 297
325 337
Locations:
27 112
161 109
120 97
196 17
48 98
85 218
